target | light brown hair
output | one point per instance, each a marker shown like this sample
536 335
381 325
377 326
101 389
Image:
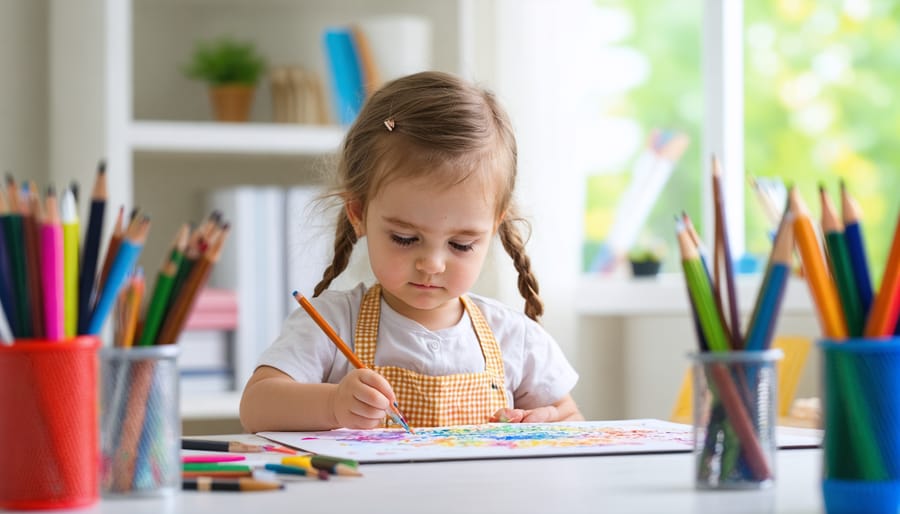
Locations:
415 125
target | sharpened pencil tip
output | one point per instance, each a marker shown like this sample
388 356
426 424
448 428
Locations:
295 293
101 167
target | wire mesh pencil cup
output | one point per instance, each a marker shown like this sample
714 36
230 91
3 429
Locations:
734 414
140 422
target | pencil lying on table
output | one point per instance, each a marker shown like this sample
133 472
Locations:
342 346
228 484
220 446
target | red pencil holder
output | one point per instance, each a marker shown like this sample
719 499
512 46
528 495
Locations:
48 424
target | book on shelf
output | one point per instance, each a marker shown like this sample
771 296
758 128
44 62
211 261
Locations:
309 238
361 56
347 89
252 264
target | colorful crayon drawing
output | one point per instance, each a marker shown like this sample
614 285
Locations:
495 440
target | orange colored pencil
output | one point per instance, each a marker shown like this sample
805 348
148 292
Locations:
821 285
886 305
342 346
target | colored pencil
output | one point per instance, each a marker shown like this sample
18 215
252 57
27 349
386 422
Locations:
226 484
16 239
395 413
722 256
181 305
30 206
7 293
52 273
70 228
761 327
162 290
90 250
197 459
6 333
841 267
112 248
886 304
851 214
291 469
126 257
821 286
219 446
701 294
132 421
215 467
322 464
128 306
685 220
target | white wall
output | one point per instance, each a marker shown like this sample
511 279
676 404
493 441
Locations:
23 89
76 136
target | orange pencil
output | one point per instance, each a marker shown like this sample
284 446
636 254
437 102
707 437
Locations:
886 305
342 346
821 285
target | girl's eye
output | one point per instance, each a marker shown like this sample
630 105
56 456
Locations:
461 247
402 241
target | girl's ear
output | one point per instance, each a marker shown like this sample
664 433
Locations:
355 215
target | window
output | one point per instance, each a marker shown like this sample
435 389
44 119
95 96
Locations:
820 85
648 77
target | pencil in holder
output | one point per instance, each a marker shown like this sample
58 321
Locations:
861 445
735 393
140 424
48 433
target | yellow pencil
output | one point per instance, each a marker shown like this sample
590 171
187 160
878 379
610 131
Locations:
821 285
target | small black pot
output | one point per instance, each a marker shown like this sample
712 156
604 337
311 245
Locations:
645 268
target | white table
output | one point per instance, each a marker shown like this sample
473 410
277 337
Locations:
610 484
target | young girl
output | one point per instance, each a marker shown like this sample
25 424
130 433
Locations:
426 175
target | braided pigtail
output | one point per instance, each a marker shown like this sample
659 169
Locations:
344 239
528 286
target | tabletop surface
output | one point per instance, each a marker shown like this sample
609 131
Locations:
650 483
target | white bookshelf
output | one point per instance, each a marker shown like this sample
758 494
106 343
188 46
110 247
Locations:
163 150
233 138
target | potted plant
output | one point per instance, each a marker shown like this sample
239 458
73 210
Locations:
232 69
646 259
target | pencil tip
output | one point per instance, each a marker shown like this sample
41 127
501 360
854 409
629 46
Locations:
101 167
295 293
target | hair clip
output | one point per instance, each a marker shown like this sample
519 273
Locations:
389 123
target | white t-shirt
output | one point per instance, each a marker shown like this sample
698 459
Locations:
537 372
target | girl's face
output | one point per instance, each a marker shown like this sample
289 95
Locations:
427 244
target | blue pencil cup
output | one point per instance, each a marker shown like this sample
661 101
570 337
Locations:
861 389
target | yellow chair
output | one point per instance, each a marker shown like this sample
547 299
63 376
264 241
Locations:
789 369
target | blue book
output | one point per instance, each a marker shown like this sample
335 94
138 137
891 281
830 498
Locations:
348 90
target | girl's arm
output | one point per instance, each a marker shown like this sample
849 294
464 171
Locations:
563 410
272 400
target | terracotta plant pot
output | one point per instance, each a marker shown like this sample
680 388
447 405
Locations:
232 102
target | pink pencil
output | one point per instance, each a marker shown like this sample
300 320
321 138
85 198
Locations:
211 458
52 269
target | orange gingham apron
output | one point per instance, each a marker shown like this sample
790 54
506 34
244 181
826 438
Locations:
430 401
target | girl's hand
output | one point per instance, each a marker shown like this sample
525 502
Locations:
539 415
563 410
361 399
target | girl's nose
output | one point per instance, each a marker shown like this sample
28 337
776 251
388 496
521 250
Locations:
430 263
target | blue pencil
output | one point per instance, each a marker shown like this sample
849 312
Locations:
765 314
126 258
850 212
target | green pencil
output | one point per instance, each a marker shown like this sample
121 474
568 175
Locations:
701 295
841 266
162 290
